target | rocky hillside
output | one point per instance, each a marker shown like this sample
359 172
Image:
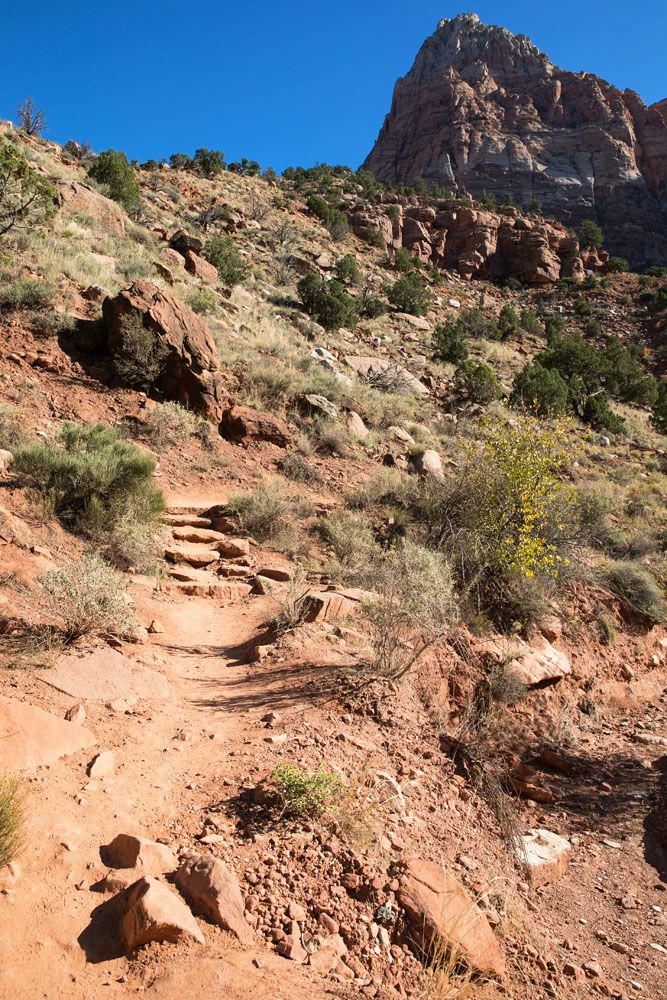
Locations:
485 110
333 654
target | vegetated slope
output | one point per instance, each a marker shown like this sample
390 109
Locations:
351 450
485 110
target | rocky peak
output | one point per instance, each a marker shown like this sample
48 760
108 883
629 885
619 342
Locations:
484 109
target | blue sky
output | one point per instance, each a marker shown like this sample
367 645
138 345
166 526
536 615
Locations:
284 83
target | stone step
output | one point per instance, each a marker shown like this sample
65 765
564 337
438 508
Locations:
222 590
203 536
187 507
186 521
193 555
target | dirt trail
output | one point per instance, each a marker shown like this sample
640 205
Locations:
49 946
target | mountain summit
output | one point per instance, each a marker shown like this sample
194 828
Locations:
483 109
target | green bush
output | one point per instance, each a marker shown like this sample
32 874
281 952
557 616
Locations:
403 260
26 198
87 597
262 512
618 265
410 295
300 793
540 389
350 536
477 382
113 169
475 323
11 819
208 162
508 323
530 322
222 252
202 300
447 342
90 476
140 357
347 269
327 302
591 236
659 415
635 585
489 201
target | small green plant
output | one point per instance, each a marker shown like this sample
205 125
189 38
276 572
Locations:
113 169
25 293
298 468
541 390
87 597
303 794
11 819
508 323
222 252
202 300
262 512
26 198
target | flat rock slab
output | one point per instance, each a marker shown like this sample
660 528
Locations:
104 674
387 372
30 737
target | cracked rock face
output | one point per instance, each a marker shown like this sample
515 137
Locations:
485 110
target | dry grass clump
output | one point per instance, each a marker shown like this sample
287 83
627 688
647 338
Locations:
86 598
11 819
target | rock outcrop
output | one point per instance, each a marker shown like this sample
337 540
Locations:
483 109
191 374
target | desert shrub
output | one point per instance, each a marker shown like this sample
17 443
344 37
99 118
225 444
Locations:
477 382
169 423
476 323
403 260
347 269
87 597
554 326
131 544
26 198
592 514
618 265
91 476
508 323
488 201
25 293
384 488
140 357
414 609
329 437
591 236
202 300
659 414
530 322
12 428
208 162
327 302
583 306
410 295
506 520
11 819
265 512
299 793
447 342
370 306
350 536
222 252
30 118
113 169
298 467
541 389
635 585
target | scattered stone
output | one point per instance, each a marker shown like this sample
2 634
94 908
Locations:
442 913
149 857
212 887
356 426
233 548
428 463
545 856
76 713
102 765
156 627
155 913
240 423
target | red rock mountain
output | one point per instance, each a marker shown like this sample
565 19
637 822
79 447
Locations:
483 109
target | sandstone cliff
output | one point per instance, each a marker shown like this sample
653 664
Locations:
483 109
